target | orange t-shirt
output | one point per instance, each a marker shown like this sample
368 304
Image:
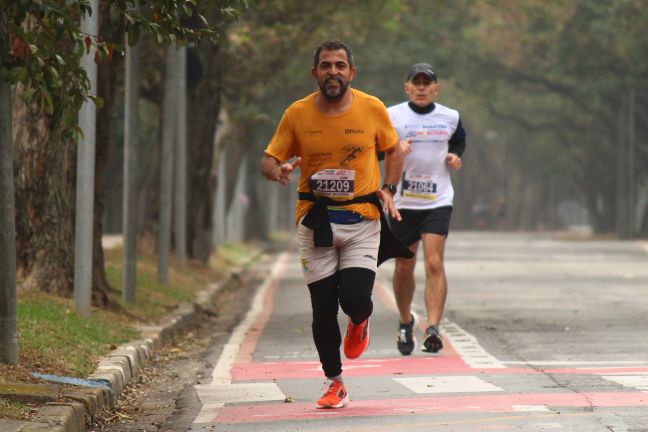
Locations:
338 152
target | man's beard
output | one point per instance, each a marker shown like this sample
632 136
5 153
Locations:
341 90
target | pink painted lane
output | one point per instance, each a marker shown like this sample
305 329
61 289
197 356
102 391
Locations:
441 365
428 405
359 367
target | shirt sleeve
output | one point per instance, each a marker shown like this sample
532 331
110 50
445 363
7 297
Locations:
386 136
457 143
283 145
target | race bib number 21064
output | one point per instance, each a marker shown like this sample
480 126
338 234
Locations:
420 186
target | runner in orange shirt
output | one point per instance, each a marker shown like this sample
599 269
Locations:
335 134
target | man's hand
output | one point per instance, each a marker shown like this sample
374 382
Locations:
284 171
274 171
406 145
388 204
454 161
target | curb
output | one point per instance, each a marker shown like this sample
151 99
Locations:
117 369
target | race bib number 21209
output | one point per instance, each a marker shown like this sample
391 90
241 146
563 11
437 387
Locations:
336 183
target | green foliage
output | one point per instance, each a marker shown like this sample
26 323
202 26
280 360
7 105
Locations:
46 43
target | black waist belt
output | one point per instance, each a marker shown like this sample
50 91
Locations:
317 219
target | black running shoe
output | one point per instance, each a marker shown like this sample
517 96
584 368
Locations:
432 342
406 341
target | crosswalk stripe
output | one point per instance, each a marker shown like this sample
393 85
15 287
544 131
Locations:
468 348
639 382
447 384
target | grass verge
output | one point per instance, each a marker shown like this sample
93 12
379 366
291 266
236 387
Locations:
52 339
13 410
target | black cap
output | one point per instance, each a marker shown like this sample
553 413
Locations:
421 68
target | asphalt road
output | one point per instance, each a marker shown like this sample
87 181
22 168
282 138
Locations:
541 334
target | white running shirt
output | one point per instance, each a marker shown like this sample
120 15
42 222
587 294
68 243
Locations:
425 180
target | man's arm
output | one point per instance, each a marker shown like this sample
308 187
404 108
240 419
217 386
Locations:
393 163
272 170
456 147
393 166
457 142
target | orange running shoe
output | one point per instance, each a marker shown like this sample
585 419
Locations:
335 397
356 339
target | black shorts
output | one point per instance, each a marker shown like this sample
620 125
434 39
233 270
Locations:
417 222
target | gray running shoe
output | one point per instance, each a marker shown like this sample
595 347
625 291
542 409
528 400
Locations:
432 342
406 341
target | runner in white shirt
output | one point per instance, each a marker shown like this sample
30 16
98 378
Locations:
434 140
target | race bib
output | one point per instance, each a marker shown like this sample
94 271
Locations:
420 186
333 183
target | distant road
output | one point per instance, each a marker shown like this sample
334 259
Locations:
110 241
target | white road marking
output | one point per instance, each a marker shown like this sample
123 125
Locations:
241 392
221 390
448 384
290 357
466 345
634 381
530 408
644 245
383 351
576 363
346 367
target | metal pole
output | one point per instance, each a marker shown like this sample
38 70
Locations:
220 216
272 204
631 165
181 160
85 177
131 145
166 165
8 334
621 175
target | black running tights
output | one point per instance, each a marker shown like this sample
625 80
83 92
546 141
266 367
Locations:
351 289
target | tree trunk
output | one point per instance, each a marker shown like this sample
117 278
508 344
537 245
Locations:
8 326
204 98
236 142
256 221
107 88
44 181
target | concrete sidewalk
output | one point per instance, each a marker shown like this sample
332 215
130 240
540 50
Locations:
114 371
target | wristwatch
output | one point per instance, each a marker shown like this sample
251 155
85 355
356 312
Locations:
390 187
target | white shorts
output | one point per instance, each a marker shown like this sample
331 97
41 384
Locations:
354 245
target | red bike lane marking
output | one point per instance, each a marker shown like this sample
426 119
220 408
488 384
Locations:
430 366
427 405
249 344
351 368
